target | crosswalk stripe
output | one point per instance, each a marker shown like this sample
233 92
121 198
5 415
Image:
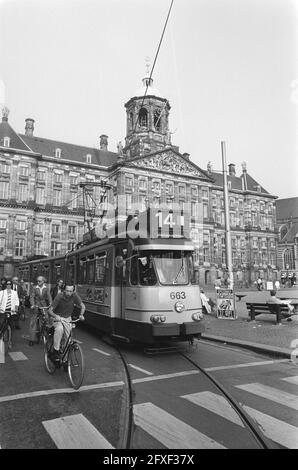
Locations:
18 356
277 430
292 379
216 404
101 352
270 393
140 370
246 364
170 431
75 432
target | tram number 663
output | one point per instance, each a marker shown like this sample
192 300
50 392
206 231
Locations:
177 295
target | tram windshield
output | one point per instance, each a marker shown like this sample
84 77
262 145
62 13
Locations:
169 267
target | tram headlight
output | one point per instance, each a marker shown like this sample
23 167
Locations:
179 307
158 318
197 316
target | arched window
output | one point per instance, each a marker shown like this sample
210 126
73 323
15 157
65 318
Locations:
131 120
157 120
143 117
288 259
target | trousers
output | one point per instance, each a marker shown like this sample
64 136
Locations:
60 330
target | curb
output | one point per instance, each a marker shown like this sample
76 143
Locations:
263 348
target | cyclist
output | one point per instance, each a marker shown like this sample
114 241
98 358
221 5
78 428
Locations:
9 303
62 309
40 297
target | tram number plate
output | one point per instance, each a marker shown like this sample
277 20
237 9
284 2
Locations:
177 295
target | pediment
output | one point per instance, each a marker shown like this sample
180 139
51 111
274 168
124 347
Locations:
169 162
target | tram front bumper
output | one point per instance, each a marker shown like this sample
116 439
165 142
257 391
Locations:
174 329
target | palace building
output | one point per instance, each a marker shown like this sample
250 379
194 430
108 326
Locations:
43 207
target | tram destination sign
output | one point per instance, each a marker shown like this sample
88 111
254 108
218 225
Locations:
225 304
169 224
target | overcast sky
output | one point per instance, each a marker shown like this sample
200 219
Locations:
228 68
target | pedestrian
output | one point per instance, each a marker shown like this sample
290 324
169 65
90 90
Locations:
277 285
18 289
3 283
57 289
294 279
217 283
276 300
9 303
207 303
40 297
259 283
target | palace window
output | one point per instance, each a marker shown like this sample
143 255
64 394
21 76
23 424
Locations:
20 247
128 181
143 117
6 142
20 224
3 223
58 153
58 177
57 197
40 196
128 201
23 192
24 171
5 168
88 158
4 190
157 119
2 245
55 228
72 229
288 259
41 175
55 248
37 247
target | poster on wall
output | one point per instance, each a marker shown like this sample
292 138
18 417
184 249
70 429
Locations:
225 304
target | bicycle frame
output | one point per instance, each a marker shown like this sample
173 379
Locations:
69 340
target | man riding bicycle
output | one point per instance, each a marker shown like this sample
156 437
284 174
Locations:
61 310
40 297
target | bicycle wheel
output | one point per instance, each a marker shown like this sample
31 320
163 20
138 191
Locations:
6 338
76 366
48 347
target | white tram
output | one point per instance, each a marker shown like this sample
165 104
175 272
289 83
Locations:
142 287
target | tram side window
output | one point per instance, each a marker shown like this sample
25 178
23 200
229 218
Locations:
90 270
70 272
83 270
100 269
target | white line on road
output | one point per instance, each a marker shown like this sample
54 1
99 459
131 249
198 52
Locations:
75 432
18 356
170 431
245 364
86 388
216 404
270 393
292 380
279 431
101 352
140 370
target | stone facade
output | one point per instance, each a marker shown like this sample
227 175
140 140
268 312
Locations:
42 202
287 249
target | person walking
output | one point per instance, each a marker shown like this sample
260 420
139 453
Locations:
40 297
277 284
9 303
259 283
18 289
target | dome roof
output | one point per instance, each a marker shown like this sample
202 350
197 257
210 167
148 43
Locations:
140 92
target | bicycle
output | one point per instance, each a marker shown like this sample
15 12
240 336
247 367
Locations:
5 333
71 356
41 325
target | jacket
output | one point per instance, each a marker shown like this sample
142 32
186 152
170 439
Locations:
3 301
40 297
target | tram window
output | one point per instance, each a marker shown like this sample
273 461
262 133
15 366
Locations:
70 273
134 271
146 271
83 270
100 269
90 270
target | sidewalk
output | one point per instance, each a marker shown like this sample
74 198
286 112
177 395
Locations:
261 335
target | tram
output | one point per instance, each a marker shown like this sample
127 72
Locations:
137 278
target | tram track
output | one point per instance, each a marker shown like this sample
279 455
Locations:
261 439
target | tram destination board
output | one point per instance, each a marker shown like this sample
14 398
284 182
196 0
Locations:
167 223
225 304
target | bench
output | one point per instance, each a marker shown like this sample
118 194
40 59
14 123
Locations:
274 309
239 296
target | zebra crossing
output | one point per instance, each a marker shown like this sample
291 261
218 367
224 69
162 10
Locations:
172 432
77 432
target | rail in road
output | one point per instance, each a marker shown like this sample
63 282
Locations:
184 420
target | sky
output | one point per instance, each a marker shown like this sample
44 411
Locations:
229 69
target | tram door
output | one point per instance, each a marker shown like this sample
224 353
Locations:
120 279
